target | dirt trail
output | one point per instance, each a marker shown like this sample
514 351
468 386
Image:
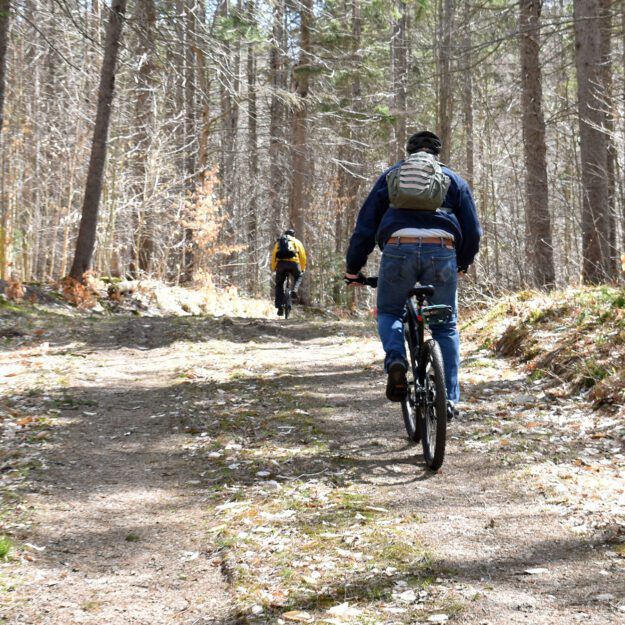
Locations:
180 444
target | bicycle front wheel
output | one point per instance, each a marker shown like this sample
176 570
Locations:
433 405
409 405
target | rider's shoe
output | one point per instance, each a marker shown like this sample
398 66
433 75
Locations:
452 411
281 311
396 384
294 295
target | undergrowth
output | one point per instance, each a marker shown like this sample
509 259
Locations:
576 337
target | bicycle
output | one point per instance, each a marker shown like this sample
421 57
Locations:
289 281
424 409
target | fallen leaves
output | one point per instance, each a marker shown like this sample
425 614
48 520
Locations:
297 616
344 611
536 571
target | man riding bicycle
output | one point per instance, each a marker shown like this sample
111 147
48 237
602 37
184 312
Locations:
288 257
426 246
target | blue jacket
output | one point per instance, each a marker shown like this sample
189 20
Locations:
377 221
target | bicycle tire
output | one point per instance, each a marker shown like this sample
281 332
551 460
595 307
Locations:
410 405
287 296
433 405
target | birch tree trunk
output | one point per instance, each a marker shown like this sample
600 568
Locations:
85 243
538 244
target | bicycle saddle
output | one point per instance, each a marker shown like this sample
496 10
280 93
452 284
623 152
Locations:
421 291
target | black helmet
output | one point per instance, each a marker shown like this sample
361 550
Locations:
290 232
424 140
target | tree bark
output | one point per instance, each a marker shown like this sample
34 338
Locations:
399 60
445 80
190 142
85 243
5 8
276 119
252 215
593 146
538 244
144 233
468 96
607 89
301 77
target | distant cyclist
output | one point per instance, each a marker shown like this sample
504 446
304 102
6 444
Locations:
422 215
288 257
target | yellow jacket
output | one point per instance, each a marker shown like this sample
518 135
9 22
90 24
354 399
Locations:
299 258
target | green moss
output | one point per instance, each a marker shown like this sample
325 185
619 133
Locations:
548 313
6 545
7 305
592 373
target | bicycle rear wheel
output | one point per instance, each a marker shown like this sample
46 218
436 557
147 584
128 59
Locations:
287 303
287 295
433 406
409 405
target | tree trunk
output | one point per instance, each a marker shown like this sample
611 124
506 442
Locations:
85 243
538 244
468 97
252 216
611 116
399 60
445 80
301 77
276 120
593 146
190 143
5 7
144 234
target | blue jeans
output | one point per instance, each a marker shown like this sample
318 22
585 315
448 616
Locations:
402 266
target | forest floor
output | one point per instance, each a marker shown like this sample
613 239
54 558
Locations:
222 470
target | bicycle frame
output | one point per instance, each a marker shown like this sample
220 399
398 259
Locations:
424 408
416 317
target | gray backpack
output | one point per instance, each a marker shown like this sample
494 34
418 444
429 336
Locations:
418 183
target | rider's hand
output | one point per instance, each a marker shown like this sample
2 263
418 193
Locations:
351 279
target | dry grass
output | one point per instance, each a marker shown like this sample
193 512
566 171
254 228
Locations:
576 337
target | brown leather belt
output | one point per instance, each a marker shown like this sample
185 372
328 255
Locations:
448 243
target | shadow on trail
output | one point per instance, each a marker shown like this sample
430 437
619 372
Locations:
123 441
148 333
196 440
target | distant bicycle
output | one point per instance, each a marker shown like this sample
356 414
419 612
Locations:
289 283
424 408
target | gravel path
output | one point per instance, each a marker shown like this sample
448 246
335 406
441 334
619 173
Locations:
524 522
